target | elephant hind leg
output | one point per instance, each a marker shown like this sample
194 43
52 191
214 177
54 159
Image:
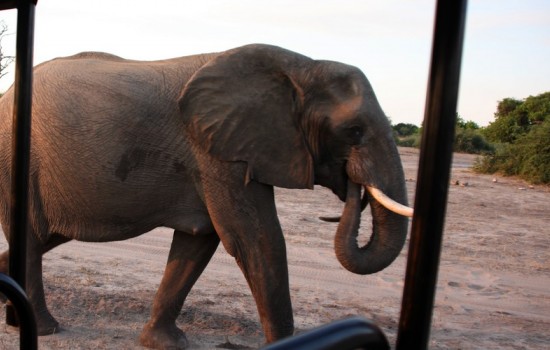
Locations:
54 241
45 322
189 256
4 257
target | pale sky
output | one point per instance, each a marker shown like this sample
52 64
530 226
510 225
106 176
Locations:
506 51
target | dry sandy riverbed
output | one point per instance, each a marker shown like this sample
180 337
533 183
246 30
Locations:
493 289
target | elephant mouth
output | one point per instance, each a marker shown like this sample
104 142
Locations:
364 203
381 198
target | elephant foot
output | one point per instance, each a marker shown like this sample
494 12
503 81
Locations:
163 337
46 324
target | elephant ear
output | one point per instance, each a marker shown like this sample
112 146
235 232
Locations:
242 106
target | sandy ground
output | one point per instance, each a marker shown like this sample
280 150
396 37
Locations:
493 289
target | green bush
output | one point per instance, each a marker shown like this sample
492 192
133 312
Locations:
521 131
471 141
494 162
533 151
409 141
516 143
405 129
468 137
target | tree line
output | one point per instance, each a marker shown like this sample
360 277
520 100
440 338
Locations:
517 142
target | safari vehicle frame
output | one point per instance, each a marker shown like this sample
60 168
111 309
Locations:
429 207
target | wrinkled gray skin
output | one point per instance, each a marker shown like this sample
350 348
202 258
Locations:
196 144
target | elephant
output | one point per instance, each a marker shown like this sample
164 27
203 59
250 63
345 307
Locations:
197 144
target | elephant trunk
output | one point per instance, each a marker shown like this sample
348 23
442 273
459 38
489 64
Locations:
389 229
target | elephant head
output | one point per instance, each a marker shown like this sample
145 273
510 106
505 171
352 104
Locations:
297 122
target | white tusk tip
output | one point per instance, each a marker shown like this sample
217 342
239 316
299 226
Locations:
389 203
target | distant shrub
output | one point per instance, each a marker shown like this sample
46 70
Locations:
496 161
471 141
468 137
532 153
521 131
409 141
405 129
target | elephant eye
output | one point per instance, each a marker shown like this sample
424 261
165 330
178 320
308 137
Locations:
354 134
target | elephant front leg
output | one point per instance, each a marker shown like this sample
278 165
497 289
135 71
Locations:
246 221
265 269
188 258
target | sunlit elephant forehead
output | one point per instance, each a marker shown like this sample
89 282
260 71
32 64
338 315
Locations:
347 109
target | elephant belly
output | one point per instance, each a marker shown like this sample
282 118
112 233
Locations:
121 227
122 212
195 223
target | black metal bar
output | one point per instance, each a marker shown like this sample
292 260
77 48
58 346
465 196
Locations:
21 147
25 314
433 176
350 333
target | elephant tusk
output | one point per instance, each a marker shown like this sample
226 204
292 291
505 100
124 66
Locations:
389 203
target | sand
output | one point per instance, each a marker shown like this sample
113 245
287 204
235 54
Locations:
493 288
